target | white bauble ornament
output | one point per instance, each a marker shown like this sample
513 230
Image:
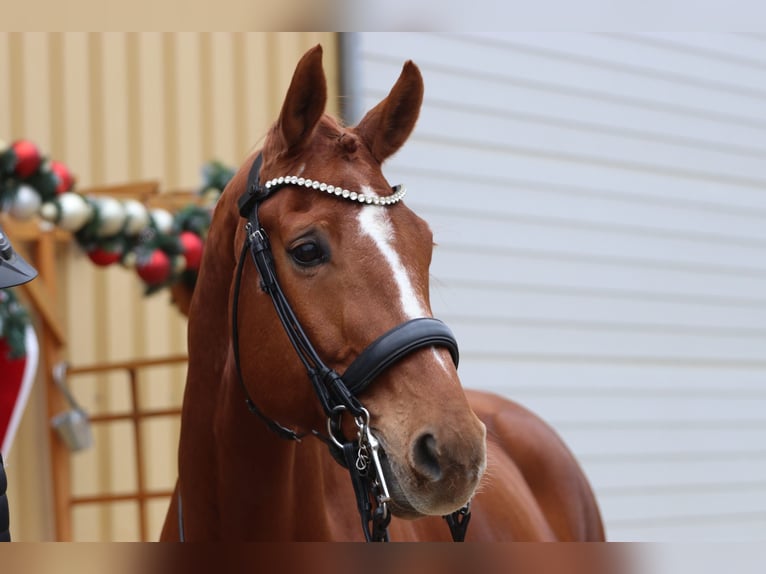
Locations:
49 212
163 220
26 203
75 211
129 260
111 216
138 216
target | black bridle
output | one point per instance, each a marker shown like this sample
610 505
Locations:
337 393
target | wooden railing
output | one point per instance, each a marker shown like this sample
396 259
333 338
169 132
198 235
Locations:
135 415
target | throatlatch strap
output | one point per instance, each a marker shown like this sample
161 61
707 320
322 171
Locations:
273 425
180 507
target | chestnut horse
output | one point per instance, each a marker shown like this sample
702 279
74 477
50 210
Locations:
352 262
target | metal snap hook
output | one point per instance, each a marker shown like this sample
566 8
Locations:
363 422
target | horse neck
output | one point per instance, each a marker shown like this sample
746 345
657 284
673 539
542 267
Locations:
270 487
243 481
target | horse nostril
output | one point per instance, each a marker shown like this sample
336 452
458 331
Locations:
426 457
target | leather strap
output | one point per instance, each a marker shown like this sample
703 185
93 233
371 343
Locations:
254 192
181 533
396 344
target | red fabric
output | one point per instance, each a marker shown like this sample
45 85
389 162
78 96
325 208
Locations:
11 375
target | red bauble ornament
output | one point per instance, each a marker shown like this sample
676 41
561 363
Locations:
192 244
27 158
154 269
65 178
103 257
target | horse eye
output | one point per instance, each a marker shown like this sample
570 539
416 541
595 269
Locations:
308 254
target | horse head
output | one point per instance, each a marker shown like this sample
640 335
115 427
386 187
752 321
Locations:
353 265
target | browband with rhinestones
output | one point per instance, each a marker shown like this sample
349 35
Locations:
399 190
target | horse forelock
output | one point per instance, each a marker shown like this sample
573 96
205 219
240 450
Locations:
330 148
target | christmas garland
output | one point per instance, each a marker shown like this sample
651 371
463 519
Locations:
162 247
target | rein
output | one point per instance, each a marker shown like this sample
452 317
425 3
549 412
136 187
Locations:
337 393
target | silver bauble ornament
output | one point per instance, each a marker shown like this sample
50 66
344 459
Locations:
163 220
26 203
138 216
111 216
74 211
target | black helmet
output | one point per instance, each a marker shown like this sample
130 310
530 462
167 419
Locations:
13 269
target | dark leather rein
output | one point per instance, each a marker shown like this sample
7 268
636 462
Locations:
337 393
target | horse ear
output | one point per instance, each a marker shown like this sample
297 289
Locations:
388 125
305 100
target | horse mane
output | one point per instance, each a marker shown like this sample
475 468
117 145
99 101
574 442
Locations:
209 322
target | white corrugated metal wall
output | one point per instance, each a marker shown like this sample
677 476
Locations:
599 202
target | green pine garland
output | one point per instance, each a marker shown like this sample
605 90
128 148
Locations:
22 164
13 323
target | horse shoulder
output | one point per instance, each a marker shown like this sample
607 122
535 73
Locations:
530 467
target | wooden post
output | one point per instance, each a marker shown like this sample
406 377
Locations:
45 261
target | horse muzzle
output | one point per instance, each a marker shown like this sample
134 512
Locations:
439 472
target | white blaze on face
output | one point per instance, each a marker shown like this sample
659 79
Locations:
375 224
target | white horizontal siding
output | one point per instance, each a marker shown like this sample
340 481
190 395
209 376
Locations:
599 205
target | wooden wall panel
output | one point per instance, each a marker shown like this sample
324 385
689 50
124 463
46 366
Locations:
116 108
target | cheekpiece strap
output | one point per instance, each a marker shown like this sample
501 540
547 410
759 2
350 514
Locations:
254 192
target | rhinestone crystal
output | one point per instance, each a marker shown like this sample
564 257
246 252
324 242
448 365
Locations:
396 195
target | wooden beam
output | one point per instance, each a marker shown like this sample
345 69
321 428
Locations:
45 261
30 230
140 190
39 297
125 497
128 365
44 308
175 200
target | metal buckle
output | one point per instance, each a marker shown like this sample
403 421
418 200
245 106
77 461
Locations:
369 451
